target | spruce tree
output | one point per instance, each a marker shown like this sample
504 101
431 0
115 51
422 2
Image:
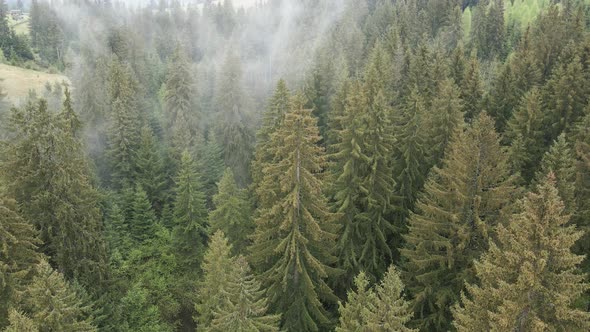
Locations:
245 304
232 213
382 308
278 105
18 256
471 90
143 219
446 117
234 130
150 169
19 322
46 172
212 289
294 239
52 304
211 167
528 280
525 129
179 104
461 204
125 123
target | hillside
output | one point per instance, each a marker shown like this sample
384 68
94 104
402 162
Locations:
18 81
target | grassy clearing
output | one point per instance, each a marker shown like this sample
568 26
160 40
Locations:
17 82
21 27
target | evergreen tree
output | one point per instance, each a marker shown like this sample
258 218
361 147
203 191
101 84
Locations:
20 323
232 213
211 167
233 126
461 204
363 187
18 256
560 160
379 309
143 219
528 279
294 240
180 105
139 314
150 169
46 172
446 117
525 129
212 289
245 306
279 104
471 90
125 123
51 303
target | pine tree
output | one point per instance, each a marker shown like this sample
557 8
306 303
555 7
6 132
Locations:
245 303
213 287
51 303
139 314
232 213
125 124
278 105
211 167
461 204
71 120
18 256
528 280
233 127
379 309
45 170
150 169
294 240
143 219
179 104
20 323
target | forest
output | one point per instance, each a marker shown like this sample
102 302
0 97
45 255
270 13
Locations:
295 165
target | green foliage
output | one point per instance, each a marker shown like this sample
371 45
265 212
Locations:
380 309
18 256
294 240
143 218
51 303
461 204
233 212
245 304
528 280
140 314
150 169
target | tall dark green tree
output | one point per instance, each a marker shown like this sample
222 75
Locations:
143 219
45 170
232 213
150 169
458 211
294 237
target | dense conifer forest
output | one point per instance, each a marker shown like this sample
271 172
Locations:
295 165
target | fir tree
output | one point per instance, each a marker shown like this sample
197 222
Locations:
18 256
211 167
232 213
139 314
294 240
19 322
455 216
528 279
245 306
212 289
